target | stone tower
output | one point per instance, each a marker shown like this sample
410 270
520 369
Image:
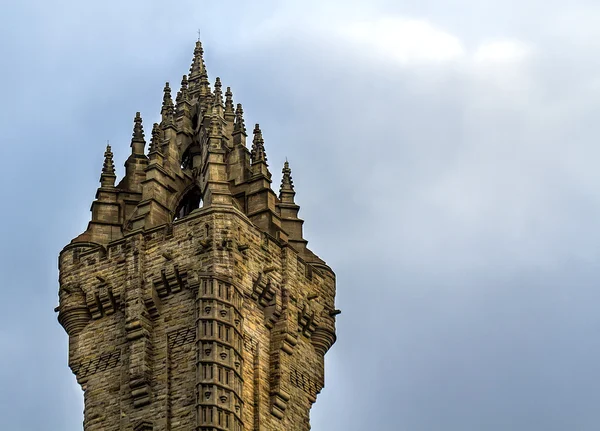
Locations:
192 301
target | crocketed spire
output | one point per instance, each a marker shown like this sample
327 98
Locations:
239 127
183 94
199 87
167 106
107 178
286 180
218 92
137 141
258 153
154 141
229 102
197 63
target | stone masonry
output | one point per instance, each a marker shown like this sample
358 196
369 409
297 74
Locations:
192 301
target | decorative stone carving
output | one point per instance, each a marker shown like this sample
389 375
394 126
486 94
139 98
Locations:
103 362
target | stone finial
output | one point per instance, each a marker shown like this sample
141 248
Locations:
154 141
287 184
167 106
218 94
107 178
229 102
239 126
183 94
137 141
258 153
138 129
205 92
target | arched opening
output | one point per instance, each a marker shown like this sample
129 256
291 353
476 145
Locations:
191 201
186 160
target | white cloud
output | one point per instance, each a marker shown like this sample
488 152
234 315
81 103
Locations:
404 40
501 51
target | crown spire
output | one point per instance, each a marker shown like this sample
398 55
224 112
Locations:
258 153
137 141
107 178
197 66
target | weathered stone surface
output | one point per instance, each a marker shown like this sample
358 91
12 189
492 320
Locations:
192 301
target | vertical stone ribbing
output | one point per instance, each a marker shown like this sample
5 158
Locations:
220 361
257 387
137 328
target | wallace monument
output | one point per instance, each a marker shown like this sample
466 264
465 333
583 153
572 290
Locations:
191 301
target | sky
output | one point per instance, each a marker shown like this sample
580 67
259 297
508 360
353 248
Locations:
445 156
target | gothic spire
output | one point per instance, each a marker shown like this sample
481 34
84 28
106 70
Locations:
258 154
239 127
218 92
137 141
229 102
107 178
167 106
154 141
183 94
286 180
197 63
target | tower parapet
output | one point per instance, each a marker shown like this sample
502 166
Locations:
191 301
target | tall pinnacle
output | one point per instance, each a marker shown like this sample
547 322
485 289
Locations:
239 127
197 63
286 181
183 94
154 141
218 92
199 86
137 141
258 154
167 106
107 178
229 102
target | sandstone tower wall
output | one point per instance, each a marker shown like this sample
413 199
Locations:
192 301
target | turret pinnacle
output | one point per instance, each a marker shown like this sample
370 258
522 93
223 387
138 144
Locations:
286 180
218 92
258 153
183 94
229 102
167 106
137 141
239 127
288 210
154 141
107 178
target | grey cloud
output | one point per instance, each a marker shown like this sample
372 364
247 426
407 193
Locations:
467 250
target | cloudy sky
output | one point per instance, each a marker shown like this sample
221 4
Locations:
445 155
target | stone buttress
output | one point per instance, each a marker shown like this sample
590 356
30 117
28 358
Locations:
191 301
